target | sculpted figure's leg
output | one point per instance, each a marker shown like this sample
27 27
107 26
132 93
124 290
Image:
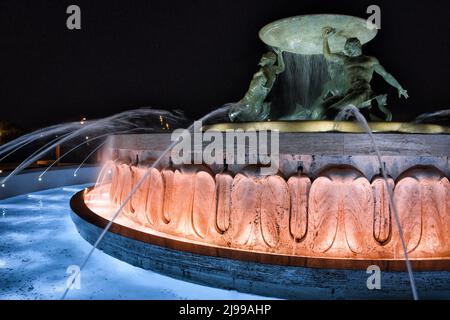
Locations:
382 102
355 98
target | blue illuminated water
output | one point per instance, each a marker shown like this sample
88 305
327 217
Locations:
39 242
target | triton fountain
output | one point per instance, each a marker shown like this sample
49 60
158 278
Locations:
323 218
341 200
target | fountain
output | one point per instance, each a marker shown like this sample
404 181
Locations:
333 208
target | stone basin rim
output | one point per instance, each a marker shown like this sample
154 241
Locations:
79 208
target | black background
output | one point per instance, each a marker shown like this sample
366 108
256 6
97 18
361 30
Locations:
192 55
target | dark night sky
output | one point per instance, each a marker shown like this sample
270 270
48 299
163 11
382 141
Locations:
192 55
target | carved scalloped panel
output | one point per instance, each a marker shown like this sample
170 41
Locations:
105 177
224 182
435 215
182 203
358 215
407 198
341 212
339 215
299 187
119 177
113 191
155 198
422 199
244 209
167 176
125 187
446 183
324 214
204 203
138 201
274 208
382 220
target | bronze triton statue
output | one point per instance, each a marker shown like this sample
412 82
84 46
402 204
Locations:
352 86
253 106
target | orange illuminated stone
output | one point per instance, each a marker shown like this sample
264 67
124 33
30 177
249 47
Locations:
423 202
337 215
341 213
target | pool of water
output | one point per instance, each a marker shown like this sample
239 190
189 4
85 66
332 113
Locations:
40 247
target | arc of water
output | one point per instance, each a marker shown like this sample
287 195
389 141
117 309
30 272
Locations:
37 152
71 150
41 148
18 147
106 122
27 139
9 145
344 114
128 198
52 144
102 144
88 156
102 176
32 159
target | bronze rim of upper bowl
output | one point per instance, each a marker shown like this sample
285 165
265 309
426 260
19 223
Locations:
331 126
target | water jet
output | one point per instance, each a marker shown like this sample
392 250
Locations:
328 210
309 230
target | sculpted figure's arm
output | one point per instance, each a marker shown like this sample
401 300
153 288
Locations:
270 81
390 79
278 68
280 61
326 33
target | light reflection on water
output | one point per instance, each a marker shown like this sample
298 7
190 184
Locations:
39 242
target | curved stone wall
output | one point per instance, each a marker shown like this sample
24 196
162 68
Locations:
338 214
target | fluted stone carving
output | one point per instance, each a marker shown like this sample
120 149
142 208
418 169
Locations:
244 211
224 183
154 207
338 214
275 210
341 212
299 187
204 204
382 219
422 197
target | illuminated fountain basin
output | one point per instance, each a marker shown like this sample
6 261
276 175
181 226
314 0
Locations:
309 232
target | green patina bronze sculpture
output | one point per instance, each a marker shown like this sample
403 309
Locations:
254 107
338 40
352 85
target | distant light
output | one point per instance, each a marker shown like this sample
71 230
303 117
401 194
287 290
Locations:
74 174
3 185
1 171
87 138
83 120
109 172
40 179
